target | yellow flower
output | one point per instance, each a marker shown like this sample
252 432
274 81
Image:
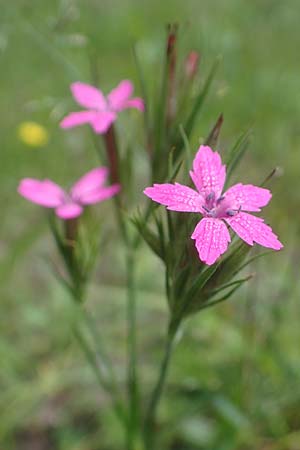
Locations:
33 134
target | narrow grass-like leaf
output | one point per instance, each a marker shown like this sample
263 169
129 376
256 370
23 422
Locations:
200 99
230 284
221 299
185 305
187 147
150 238
161 234
146 115
213 136
250 260
236 153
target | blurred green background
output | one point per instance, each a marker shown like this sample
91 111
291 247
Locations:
235 379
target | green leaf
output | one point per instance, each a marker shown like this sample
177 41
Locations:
230 284
189 154
221 299
236 153
200 99
149 237
213 136
188 304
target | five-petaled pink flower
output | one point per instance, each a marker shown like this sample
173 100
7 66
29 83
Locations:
88 190
101 111
217 208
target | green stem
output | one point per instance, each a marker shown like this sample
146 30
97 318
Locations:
103 383
132 352
149 426
105 360
132 385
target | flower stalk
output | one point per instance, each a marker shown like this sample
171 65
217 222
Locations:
149 424
112 154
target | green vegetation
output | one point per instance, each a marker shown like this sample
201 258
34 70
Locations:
235 379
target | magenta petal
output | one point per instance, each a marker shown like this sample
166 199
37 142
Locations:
90 182
102 121
253 229
176 197
100 194
88 96
118 97
212 238
137 103
247 197
44 193
208 172
69 211
77 118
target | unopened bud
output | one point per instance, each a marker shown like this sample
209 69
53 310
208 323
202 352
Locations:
192 64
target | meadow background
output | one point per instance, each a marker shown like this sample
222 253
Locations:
235 379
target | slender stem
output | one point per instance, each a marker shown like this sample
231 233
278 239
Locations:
105 360
112 154
89 354
132 352
132 384
149 426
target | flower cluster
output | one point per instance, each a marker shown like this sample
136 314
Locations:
218 208
194 278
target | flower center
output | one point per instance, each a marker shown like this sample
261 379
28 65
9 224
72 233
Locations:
218 207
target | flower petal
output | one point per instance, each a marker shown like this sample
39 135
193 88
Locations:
247 197
88 96
118 97
176 197
102 121
212 238
100 194
208 173
44 193
77 118
69 211
91 181
253 229
136 102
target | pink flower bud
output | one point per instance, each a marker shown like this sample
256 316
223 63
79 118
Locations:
191 64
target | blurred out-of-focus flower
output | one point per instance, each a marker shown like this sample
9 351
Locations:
217 208
33 134
88 190
101 111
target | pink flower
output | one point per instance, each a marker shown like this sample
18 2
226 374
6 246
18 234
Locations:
88 190
100 111
211 234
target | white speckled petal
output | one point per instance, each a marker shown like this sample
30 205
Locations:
176 197
247 197
208 173
253 229
212 238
